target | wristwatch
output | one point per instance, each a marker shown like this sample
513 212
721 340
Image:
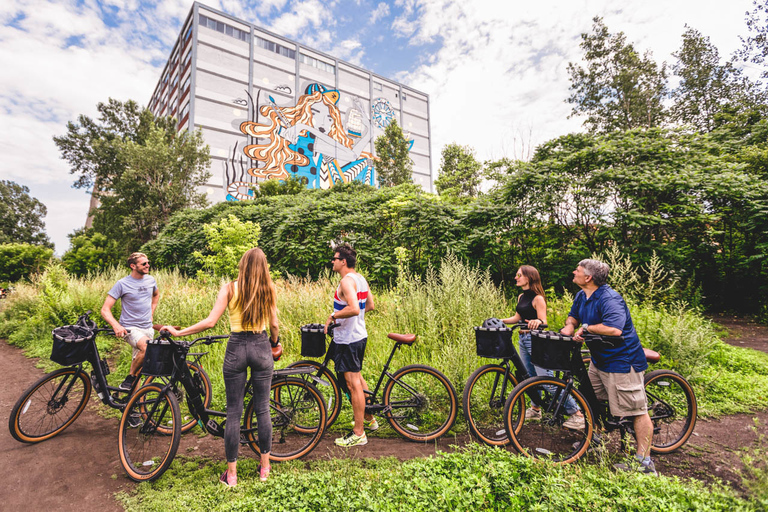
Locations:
585 328
333 315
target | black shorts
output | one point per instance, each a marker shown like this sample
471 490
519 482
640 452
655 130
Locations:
349 357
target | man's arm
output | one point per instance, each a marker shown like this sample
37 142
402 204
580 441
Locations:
155 300
570 326
106 314
348 295
369 306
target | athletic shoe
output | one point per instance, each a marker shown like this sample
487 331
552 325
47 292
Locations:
532 414
352 439
644 469
372 425
127 384
264 473
575 422
224 479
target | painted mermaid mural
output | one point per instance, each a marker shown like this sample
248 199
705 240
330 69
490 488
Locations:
309 140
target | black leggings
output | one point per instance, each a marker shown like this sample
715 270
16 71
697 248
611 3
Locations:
247 350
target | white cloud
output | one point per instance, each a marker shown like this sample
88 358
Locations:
381 11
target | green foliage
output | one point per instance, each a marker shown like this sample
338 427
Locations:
460 173
394 165
90 252
227 240
755 46
754 476
475 478
20 261
619 89
21 216
293 185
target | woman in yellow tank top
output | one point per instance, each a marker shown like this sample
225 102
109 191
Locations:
252 303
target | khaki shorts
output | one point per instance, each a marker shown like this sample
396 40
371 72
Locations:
625 392
136 334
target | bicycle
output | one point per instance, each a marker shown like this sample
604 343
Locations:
671 404
418 401
58 398
147 450
486 390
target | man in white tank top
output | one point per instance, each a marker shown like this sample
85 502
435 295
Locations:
350 303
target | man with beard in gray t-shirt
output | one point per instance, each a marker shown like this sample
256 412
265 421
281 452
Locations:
138 295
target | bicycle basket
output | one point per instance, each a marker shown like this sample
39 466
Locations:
553 351
313 340
72 344
494 343
158 360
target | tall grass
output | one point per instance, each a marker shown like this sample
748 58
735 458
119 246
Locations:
441 309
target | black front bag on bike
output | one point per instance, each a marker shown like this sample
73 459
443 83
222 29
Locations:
494 339
554 351
313 340
72 344
158 360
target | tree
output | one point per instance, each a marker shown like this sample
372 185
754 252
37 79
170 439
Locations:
19 261
228 240
619 90
21 216
754 48
140 169
90 252
460 173
394 165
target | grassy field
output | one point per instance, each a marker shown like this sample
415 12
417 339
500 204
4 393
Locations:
441 309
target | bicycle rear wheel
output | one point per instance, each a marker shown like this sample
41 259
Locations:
203 383
50 405
421 403
483 402
672 407
331 393
545 437
149 433
298 415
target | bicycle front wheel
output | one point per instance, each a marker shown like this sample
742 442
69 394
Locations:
421 404
149 433
672 407
202 382
483 402
50 405
298 416
331 392
544 435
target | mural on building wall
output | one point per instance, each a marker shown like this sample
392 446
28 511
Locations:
312 139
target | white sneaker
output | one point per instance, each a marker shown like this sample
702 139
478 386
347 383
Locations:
575 422
532 414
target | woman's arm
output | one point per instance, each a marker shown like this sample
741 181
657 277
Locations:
218 309
540 305
274 328
516 317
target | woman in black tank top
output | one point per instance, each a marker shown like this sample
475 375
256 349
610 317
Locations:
532 308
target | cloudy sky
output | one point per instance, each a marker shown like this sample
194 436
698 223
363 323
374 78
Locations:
495 70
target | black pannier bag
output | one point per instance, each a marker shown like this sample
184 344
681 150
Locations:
494 339
72 344
158 360
553 351
313 340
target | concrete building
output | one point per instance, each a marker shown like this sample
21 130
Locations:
270 107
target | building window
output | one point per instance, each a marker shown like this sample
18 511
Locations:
376 86
186 84
187 58
404 97
319 64
189 33
229 30
184 111
274 47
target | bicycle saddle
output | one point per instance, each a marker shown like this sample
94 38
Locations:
407 339
651 355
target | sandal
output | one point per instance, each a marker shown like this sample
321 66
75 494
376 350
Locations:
264 473
224 479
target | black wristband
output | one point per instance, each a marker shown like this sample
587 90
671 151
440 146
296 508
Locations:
274 343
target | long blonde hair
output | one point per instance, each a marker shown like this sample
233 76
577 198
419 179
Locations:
256 295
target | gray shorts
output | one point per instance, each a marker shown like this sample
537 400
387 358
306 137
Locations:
625 392
136 334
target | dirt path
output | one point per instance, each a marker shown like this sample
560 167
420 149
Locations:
79 469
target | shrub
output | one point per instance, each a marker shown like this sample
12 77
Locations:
20 261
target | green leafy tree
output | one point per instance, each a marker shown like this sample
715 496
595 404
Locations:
19 261
21 216
91 252
619 89
460 172
754 47
141 171
394 165
293 185
227 240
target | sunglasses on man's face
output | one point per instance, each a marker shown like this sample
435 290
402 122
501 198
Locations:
145 264
335 258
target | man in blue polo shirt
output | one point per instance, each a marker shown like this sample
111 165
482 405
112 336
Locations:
616 371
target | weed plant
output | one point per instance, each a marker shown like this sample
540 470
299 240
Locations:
442 309
474 478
